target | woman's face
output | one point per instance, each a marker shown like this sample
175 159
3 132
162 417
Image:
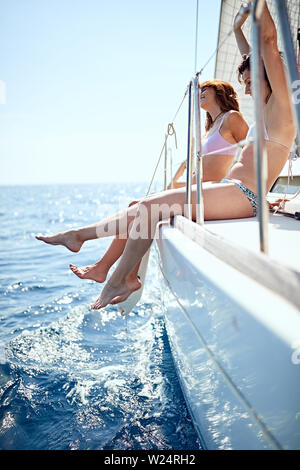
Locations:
207 97
247 82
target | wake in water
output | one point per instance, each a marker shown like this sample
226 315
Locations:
72 378
84 383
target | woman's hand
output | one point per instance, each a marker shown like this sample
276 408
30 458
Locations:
181 169
241 40
278 204
240 16
177 175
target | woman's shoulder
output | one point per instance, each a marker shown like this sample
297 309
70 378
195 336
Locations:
235 125
234 118
233 114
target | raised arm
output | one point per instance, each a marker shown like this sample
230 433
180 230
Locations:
272 58
241 40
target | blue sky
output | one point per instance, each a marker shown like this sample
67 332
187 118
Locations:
91 85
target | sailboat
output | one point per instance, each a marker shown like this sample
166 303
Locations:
231 298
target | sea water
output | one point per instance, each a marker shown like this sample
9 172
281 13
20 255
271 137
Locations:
72 377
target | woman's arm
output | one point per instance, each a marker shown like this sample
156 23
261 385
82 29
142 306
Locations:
241 40
180 184
272 58
237 125
175 184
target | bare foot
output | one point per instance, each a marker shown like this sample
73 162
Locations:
96 272
113 294
69 239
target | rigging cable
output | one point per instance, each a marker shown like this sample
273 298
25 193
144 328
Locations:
215 52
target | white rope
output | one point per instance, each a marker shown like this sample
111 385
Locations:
171 131
282 202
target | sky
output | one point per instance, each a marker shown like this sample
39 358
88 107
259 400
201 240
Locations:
88 87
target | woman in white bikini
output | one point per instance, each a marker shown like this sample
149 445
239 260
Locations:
224 126
217 97
233 198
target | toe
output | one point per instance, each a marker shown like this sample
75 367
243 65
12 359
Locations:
97 304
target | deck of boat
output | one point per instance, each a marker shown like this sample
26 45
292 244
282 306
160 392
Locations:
284 237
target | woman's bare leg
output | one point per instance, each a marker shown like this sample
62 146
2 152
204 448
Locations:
74 239
98 271
69 239
221 201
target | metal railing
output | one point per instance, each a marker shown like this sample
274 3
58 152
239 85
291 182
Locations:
257 91
189 166
199 161
290 55
257 80
194 115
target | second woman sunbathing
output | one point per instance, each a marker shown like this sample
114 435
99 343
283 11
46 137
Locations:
224 126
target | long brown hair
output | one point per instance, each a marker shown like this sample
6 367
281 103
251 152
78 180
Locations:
226 98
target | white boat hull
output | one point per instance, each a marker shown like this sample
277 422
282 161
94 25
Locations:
236 346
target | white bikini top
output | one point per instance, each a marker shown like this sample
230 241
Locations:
251 131
216 142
